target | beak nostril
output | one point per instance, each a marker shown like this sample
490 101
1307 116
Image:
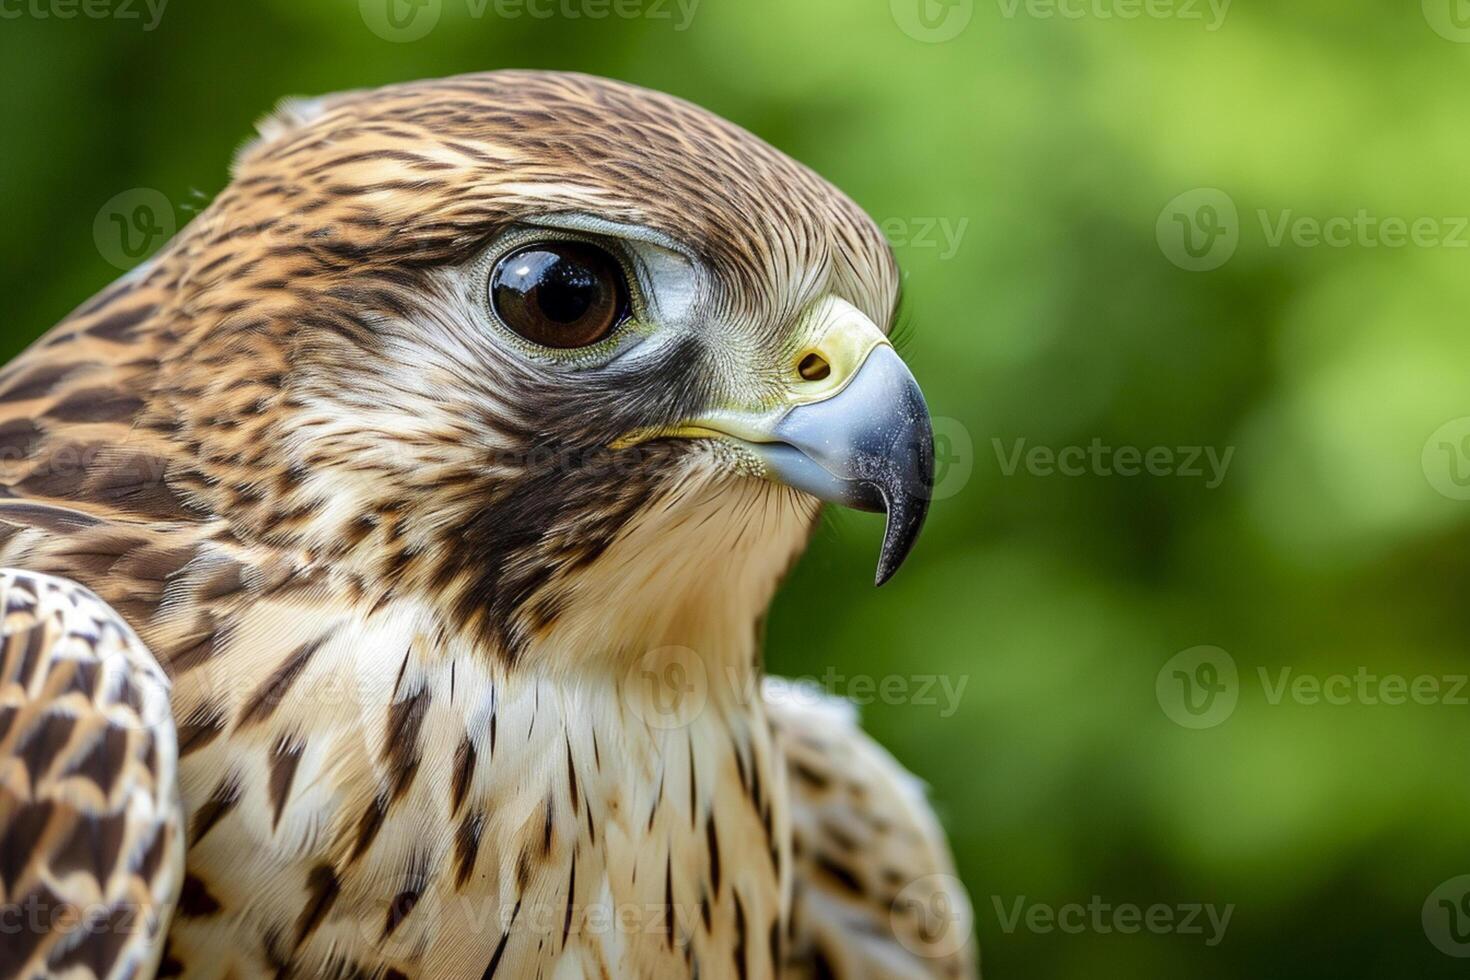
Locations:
813 367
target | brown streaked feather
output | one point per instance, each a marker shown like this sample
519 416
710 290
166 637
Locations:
91 826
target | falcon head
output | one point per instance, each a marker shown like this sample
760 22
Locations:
529 341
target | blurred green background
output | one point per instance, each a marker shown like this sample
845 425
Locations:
1028 160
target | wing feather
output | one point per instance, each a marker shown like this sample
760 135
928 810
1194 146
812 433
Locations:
91 840
876 895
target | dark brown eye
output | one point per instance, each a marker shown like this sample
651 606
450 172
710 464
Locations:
560 294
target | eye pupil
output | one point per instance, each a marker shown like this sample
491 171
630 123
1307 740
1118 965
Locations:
560 294
568 293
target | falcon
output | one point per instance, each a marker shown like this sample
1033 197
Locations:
386 563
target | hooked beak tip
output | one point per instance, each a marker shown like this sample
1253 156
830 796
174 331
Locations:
900 534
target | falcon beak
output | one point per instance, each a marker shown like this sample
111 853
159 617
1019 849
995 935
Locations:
853 430
869 446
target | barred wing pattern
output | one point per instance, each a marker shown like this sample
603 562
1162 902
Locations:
91 832
876 894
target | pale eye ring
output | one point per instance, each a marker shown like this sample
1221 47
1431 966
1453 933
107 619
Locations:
560 294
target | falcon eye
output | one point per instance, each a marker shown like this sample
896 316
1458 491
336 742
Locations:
560 294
